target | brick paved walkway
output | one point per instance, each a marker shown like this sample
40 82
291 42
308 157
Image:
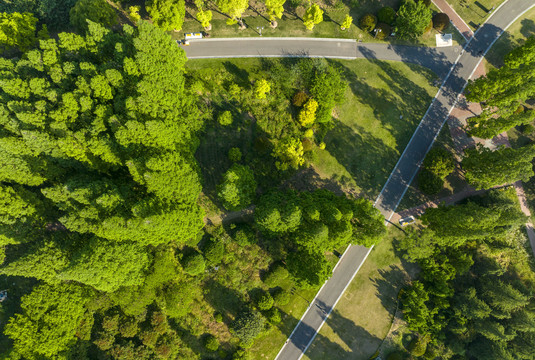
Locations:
455 19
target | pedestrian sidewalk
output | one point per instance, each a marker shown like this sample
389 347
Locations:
455 19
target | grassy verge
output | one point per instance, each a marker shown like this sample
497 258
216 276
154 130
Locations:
291 24
364 314
474 13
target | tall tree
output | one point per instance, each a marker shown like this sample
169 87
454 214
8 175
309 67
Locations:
17 30
275 9
313 16
167 14
98 11
412 20
233 8
486 168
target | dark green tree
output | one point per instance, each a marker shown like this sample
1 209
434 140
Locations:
238 188
412 20
98 11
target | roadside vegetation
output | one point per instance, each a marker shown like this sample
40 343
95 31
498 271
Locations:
474 13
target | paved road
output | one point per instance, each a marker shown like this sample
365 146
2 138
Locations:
439 60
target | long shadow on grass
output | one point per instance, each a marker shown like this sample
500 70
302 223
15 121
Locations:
358 342
226 301
388 284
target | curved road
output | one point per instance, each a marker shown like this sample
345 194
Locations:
455 73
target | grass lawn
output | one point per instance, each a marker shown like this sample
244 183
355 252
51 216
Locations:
291 24
383 105
363 316
474 13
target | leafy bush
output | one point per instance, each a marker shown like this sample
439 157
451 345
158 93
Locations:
368 22
247 326
299 98
263 300
225 118
218 317
417 346
426 2
275 275
234 154
211 343
383 31
244 235
386 15
238 187
213 251
281 296
440 21
261 88
193 264
413 19
429 183
274 316
440 162
396 355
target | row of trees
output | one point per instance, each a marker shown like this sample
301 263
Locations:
473 299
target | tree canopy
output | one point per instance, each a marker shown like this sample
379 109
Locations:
167 14
413 17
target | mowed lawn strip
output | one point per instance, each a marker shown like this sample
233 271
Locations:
474 13
363 316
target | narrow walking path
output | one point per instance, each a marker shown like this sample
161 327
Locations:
455 19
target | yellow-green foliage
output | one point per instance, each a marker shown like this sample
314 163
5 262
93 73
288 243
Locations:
308 114
204 17
346 24
17 30
261 88
313 16
134 13
290 154
275 8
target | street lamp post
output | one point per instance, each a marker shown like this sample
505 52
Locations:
376 32
260 29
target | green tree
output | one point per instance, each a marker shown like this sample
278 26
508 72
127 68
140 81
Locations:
238 187
313 16
275 275
261 88
309 268
53 13
17 30
487 126
368 22
133 13
415 310
412 20
167 14
193 264
225 118
211 343
439 161
247 326
51 316
486 168
346 24
275 9
233 8
204 17
98 11
278 213
213 251
308 113
386 15
263 300
290 153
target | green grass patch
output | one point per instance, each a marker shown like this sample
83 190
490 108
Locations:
474 13
291 24
364 314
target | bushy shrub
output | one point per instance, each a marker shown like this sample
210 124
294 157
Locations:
429 183
440 162
386 15
213 251
274 315
417 346
275 275
225 118
281 296
300 98
368 22
396 355
238 187
440 21
383 31
211 343
244 235
234 154
193 264
218 317
426 2
263 300
247 327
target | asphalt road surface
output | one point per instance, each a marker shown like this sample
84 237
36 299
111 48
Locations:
440 61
